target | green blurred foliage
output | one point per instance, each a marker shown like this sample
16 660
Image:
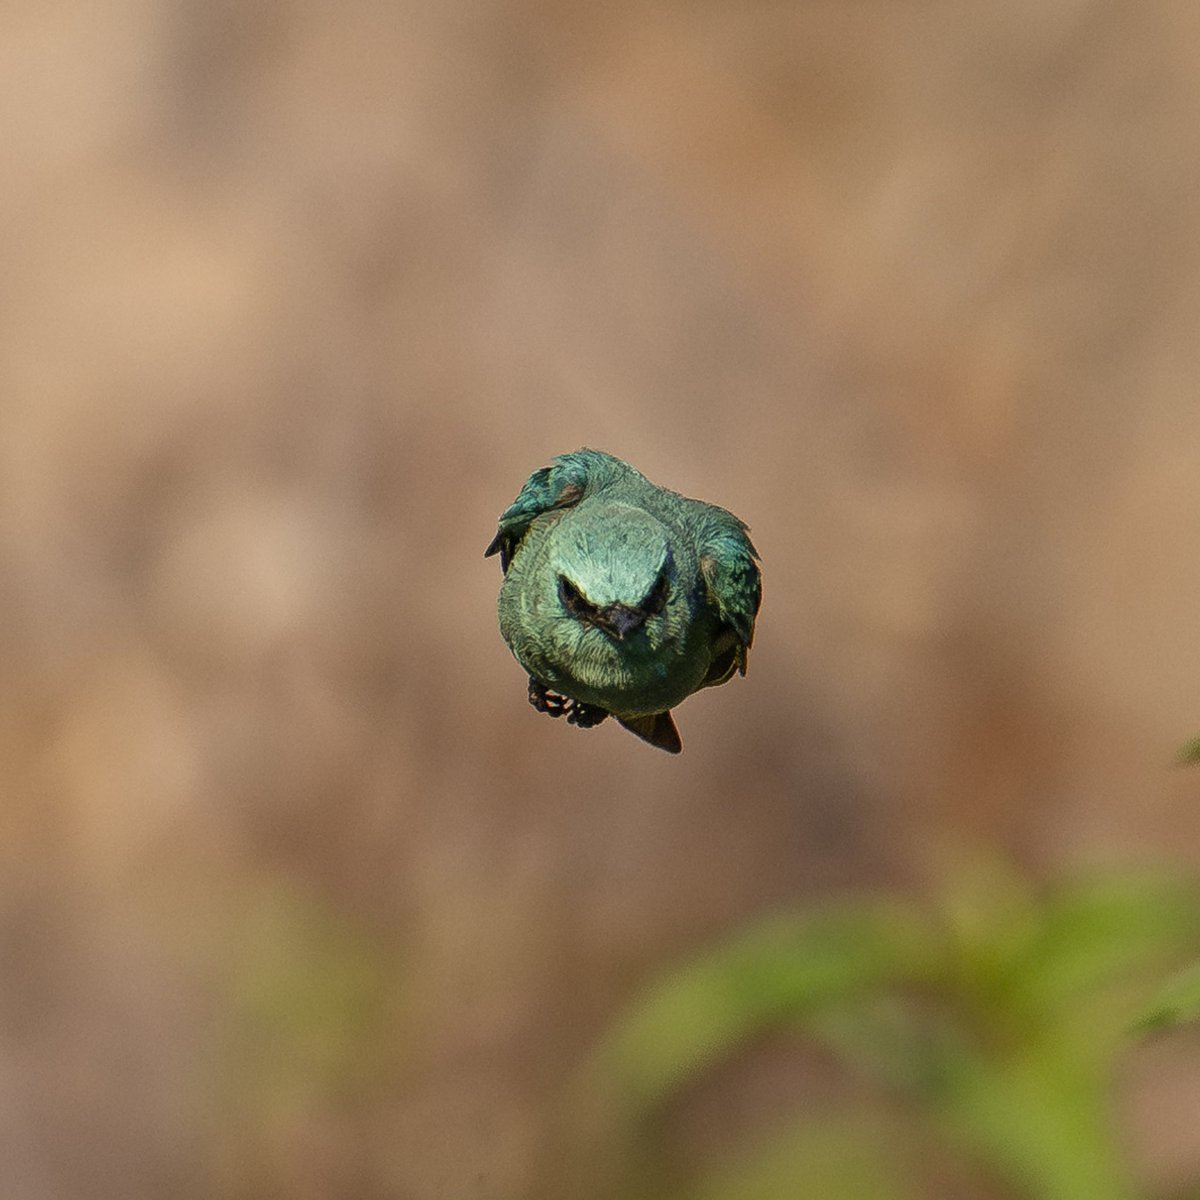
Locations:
833 1159
310 1011
1189 754
988 1022
308 994
1177 1002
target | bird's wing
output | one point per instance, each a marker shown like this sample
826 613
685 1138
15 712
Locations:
729 568
559 485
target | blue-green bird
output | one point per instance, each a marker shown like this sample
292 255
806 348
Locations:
620 596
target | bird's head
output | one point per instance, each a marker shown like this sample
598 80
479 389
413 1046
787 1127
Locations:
614 570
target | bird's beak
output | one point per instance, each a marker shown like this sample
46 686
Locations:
619 620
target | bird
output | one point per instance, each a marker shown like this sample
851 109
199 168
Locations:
621 597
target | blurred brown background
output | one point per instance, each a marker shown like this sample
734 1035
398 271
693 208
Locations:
299 898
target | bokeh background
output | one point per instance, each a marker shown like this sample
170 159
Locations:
298 897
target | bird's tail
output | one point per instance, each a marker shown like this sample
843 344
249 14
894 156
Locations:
658 729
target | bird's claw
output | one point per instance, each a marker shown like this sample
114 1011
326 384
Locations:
556 705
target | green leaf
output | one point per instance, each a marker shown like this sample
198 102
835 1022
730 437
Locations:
777 972
1099 934
1041 1118
1177 1003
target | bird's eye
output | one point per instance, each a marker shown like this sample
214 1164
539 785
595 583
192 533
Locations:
571 597
657 599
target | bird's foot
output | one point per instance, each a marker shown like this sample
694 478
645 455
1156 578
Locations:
544 700
556 705
585 715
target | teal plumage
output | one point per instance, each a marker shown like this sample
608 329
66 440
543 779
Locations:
620 596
